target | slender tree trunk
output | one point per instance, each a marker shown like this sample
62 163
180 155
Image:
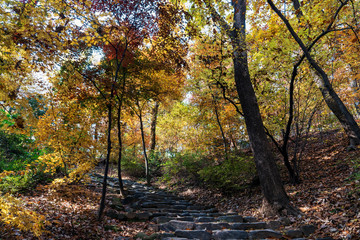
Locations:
276 199
147 173
154 114
331 98
226 149
121 185
103 194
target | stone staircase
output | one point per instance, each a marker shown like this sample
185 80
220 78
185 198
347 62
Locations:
173 217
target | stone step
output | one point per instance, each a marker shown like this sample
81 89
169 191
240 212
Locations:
173 217
195 234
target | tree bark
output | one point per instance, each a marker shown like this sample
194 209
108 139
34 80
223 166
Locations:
147 173
153 127
226 148
103 193
276 198
121 185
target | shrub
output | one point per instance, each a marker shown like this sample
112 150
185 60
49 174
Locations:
183 167
133 166
230 175
17 161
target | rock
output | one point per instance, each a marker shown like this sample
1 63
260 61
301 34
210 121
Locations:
167 227
115 215
285 221
274 225
229 234
204 219
211 226
117 207
143 216
210 210
248 226
231 218
294 233
266 233
196 207
166 235
308 229
186 218
179 207
182 225
203 235
193 214
249 219
162 219
128 200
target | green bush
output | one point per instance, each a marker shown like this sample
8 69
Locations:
230 175
24 180
183 167
16 155
133 166
155 163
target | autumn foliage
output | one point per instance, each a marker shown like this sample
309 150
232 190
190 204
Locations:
149 86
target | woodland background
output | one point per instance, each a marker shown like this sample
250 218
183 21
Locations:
147 88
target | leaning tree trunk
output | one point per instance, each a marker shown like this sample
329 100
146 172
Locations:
332 100
276 198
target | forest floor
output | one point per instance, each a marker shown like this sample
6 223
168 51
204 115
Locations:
328 197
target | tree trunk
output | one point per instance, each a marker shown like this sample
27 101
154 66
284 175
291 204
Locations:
226 149
276 199
121 185
153 127
103 194
147 173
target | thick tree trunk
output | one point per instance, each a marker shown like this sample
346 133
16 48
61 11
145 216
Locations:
276 198
153 127
270 180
